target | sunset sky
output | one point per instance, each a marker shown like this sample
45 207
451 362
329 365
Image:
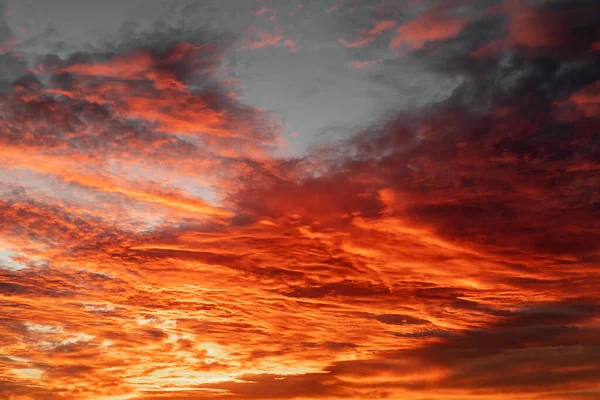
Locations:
305 199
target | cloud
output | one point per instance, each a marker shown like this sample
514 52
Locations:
257 38
432 25
531 28
446 251
369 35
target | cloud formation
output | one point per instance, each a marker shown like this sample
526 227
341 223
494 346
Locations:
153 246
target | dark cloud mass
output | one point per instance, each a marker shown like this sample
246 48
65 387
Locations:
156 244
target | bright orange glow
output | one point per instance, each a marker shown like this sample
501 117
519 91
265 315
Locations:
154 246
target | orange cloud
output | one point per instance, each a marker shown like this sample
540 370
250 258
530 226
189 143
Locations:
152 246
256 38
264 10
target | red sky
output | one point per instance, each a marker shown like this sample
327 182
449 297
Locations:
154 243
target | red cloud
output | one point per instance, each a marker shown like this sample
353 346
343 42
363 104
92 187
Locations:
152 246
535 28
369 35
430 26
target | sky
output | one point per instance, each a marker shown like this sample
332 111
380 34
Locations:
333 199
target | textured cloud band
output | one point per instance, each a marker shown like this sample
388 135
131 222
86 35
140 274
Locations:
154 244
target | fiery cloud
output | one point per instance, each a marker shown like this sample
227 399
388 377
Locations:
152 245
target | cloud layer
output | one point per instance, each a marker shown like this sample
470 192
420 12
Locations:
153 246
